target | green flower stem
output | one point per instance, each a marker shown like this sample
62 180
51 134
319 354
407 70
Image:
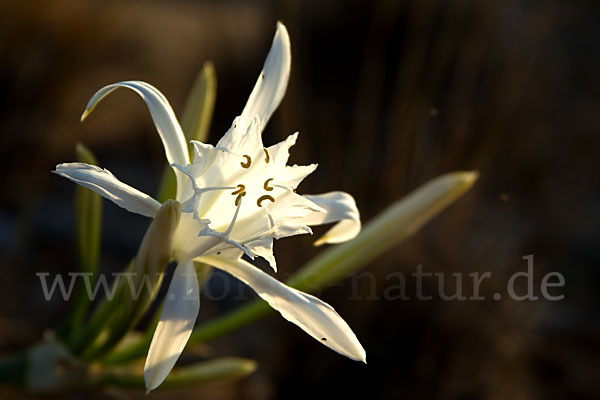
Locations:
398 222
220 369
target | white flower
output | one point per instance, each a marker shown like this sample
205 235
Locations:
236 198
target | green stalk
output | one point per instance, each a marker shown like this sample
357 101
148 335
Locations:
220 369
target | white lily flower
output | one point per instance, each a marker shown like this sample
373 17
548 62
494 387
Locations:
236 198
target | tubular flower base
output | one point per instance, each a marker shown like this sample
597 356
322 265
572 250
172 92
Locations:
237 197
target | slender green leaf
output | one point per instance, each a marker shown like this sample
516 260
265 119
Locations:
198 111
88 227
217 370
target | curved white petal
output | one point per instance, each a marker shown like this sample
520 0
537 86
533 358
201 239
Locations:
266 95
272 81
315 317
107 185
177 320
340 207
165 121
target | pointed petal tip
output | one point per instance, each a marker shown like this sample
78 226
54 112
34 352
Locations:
321 241
281 27
208 67
359 353
84 115
149 386
471 176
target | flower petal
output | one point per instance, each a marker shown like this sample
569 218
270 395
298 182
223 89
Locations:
164 118
272 81
107 185
263 247
264 99
315 317
177 320
340 207
291 176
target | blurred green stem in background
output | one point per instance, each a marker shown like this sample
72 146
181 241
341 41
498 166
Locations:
215 370
395 224
88 227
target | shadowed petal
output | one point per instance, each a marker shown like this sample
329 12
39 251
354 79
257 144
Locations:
107 185
340 207
314 316
176 323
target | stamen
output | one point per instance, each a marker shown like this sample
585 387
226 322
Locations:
238 199
238 203
271 219
241 192
198 195
267 156
241 189
211 188
266 185
263 198
247 163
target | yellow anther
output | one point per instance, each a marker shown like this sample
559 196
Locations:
266 185
238 199
263 198
241 189
267 156
247 163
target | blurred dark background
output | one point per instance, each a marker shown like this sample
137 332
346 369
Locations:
386 95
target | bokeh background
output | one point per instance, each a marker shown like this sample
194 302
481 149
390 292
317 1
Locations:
386 95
